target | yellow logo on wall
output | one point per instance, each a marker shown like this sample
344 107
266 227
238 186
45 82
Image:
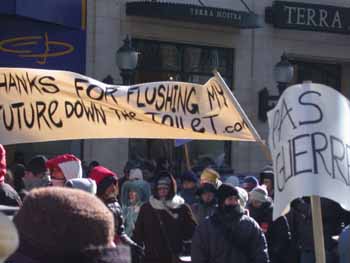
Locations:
15 46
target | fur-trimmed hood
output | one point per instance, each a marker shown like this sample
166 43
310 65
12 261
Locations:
174 203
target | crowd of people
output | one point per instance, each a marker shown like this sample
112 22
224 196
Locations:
68 214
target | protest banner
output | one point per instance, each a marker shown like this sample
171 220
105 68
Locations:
309 140
46 105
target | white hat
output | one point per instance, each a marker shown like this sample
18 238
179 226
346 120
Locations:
135 174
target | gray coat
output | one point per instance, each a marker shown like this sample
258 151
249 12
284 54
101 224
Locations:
211 245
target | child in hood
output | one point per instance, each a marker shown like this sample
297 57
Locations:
134 194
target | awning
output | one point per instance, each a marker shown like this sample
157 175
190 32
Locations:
194 13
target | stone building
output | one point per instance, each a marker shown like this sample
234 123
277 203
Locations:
184 39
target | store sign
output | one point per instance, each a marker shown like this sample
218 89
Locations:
309 139
47 105
193 13
311 17
43 35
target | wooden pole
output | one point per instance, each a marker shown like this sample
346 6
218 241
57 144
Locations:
187 157
317 226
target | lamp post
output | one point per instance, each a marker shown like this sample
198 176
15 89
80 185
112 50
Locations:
127 58
283 73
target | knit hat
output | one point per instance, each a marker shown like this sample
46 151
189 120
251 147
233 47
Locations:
69 164
37 165
85 184
58 222
233 180
135 174
103 178
189 176
267 172
9 239
210 176
249 183
224 191
260 194
2 163
164 182
243 196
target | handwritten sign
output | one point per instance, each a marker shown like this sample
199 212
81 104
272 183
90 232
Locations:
44 105
309 140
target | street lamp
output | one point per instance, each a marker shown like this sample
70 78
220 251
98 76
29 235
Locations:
127 58
283 73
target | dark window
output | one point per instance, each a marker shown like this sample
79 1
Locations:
161 61
323 73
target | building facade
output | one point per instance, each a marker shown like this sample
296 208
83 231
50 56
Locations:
185 39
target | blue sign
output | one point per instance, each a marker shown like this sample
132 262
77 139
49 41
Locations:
32 44
70 13
180 142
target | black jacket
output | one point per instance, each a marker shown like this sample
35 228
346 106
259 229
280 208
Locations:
115 208
211 243
9 196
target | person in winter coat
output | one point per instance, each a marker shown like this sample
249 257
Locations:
344 245
36 173
8 195
189 187
107 191
229 235
207 202
300 221
63 168
134 194
277 232
164 222
266 178
58 224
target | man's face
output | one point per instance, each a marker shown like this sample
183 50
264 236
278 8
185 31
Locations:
57 177
163 192
231 201
207 197
256 204
32 180
29 175
268 183
112 191
248 187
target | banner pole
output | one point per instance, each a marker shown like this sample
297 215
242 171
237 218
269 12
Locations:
317 226
187 157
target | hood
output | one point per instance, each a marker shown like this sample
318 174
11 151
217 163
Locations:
141 187
173 187
2 163
85 184
69 164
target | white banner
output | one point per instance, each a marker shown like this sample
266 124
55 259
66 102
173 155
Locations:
309 140
46 105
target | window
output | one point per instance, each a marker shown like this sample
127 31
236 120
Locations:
323 73
161 61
